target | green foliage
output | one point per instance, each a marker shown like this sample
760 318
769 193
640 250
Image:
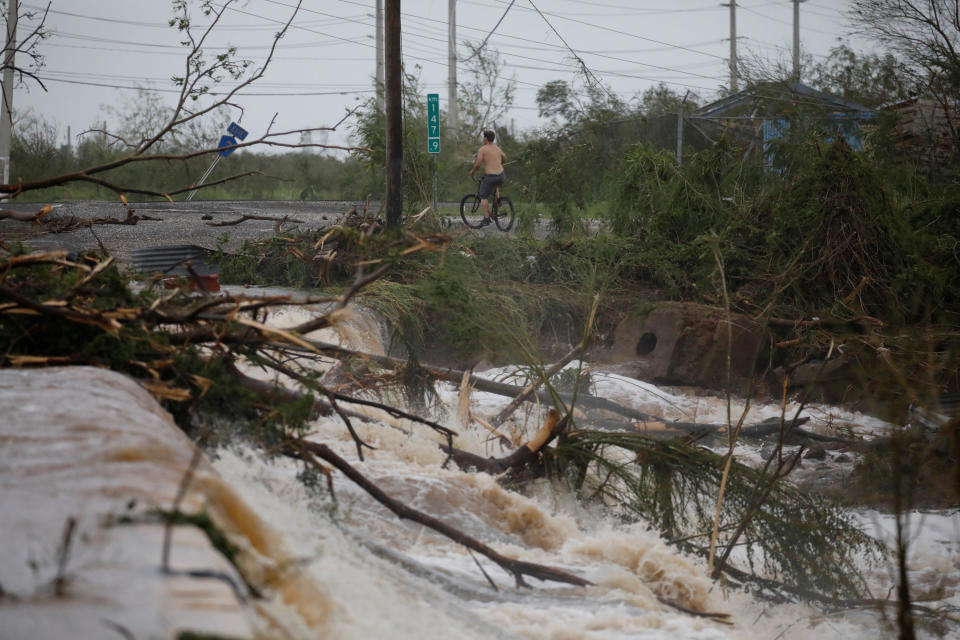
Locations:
865 78
836 240
499 295
670 211
829 232
476 316
796 537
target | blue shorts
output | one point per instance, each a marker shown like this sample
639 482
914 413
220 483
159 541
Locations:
489 181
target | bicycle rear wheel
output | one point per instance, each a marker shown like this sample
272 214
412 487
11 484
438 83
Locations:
505 215
470 208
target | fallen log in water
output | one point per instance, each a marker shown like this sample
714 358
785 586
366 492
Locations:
551 428
490 386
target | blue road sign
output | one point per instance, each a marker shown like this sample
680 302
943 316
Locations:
227 141
237 131
433 123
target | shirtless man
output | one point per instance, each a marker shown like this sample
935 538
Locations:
491 158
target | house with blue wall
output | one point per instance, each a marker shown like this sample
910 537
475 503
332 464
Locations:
764 113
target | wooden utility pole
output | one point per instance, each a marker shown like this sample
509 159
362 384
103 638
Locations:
379 41
452 115
6 109
394 113
733 46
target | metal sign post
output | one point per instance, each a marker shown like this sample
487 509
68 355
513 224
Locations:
433 137
433 123
236 131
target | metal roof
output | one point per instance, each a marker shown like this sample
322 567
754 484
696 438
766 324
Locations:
774 91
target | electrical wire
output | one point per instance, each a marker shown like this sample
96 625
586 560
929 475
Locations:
789 24
505 40
635 11
210 93
484 43
625 33
586 70
165 26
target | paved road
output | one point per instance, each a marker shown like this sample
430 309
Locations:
178 223
184 223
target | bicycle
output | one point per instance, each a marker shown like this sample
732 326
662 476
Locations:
501 210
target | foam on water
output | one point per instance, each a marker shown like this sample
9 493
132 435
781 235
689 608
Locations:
636 575
349 568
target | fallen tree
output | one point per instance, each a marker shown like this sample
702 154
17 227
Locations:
129 332
184 346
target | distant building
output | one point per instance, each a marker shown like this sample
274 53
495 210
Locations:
763 113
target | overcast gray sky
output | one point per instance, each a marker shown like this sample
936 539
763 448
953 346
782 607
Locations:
100 51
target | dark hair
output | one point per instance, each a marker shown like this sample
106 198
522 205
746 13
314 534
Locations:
489 135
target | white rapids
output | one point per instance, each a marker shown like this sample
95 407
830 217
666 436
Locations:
92 445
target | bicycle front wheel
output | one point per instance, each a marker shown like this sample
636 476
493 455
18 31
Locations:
505 216
470 211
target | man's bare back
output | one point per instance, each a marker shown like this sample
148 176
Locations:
491 158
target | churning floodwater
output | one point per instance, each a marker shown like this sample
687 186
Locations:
347 568
390 578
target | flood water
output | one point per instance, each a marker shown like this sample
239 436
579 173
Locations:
392 578
348 568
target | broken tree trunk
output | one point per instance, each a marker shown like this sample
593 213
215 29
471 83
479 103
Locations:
551 428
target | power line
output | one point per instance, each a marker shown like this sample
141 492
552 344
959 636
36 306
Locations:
617 59
210 93
586 69
433 61
625 33
601 55
179 53
87 38
645 11
484 43
154 25
789 24
261 83
508 40
834 12
502 2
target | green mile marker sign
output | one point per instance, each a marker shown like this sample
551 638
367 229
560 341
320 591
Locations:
433 123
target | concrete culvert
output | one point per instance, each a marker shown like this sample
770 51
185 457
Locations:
646 343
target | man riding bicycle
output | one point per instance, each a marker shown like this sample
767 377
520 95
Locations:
491 158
